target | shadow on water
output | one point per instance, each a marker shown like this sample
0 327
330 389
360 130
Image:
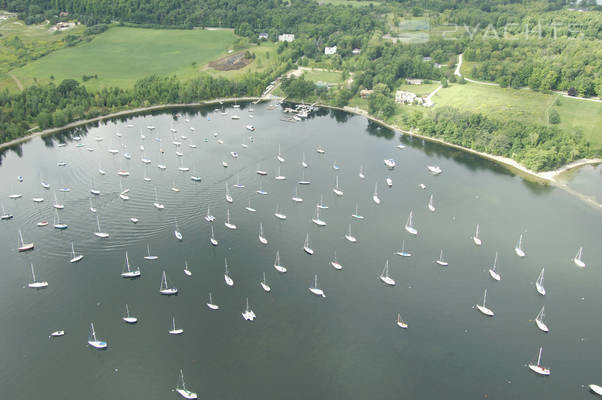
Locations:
376 129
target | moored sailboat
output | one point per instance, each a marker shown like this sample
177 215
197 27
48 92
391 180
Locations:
384 276
483 308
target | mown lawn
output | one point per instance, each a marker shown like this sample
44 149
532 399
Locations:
324 76
581 115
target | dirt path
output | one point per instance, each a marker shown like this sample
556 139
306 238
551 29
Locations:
17 81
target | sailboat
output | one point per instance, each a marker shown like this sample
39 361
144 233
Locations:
539 284
576 260
127 271
181 388
228 197
321 203
182 167
93 189
57 205
174 330
57 333
403 251
430 205
477 241
248 314
441 261
296 197
349 236
277 264
148 256
22 245
260 190
158 205
57 222
361 173
14 196
278 214
537 368
539 320
127 317
306 247
211 304
262 238
44 184
596 389
34 283
228 224
303 162
177 232
237 184
164 288
357 215
93 341
100 234
279 156
336 189
260 171
315 289
483 308
493 271
316 220
75 258
264 284
209 217
303 181
186 270
174 188
519 247
335 263
385 275
5 216
279 176
375 197
389 182
410 225
100 170
92 208
212 239
227 278
401 323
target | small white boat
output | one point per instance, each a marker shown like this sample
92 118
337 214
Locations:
209 217
100 170
186 270
441 261
277 264
61 164
250 128
148 256
316 220
279 176
321 204
422 186
477 241
75 258
336 189
361 173
303 162
236 117
261 172
335 263
539 284
519 247
403 251
228 224
409 227
249 208
538 368
296 197
539 320
389 182
229 281
375 197
320 150
177 232
228 197
303 181
357 215
100 233
483 308
260 190
577 259
279 156
5 216
335 166
127 317
401 323
211 304
234 154
430 205
212 239
42 223
164 289
384 276
174 330
262 238
57 334
349 236
93 341
315 289
400 146
181 388
224 164
494 270
390 163
127 271
174 188
434 169
35 284
306 246
134 220
123 172
264 284
158 206
56 204
237 184
596 389
248 314
24 246
57 222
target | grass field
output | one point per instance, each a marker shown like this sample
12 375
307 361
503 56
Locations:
120 56
265 56
324 76
420 90
581 115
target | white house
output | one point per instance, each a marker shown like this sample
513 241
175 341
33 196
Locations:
356 51
330 50
286 37
407 97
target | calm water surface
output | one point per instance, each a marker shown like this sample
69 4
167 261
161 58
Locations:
344 346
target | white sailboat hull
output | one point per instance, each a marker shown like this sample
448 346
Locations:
151 257
228 280
388 280
404 254
375 199
265 287
169 291
187 394
318 222
485 311
477 241
131 274
337 192
579 263
97 344
542 326
178 235
229 225
280 268
76 258
411 231
495 275
351 238
130 320
317 292
102 235
596 389
213 306
176 331
540 289
37 285
280 216
519 252
263 240
442 263
336 265
402 324
213 241
308 250
57 333
539 369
